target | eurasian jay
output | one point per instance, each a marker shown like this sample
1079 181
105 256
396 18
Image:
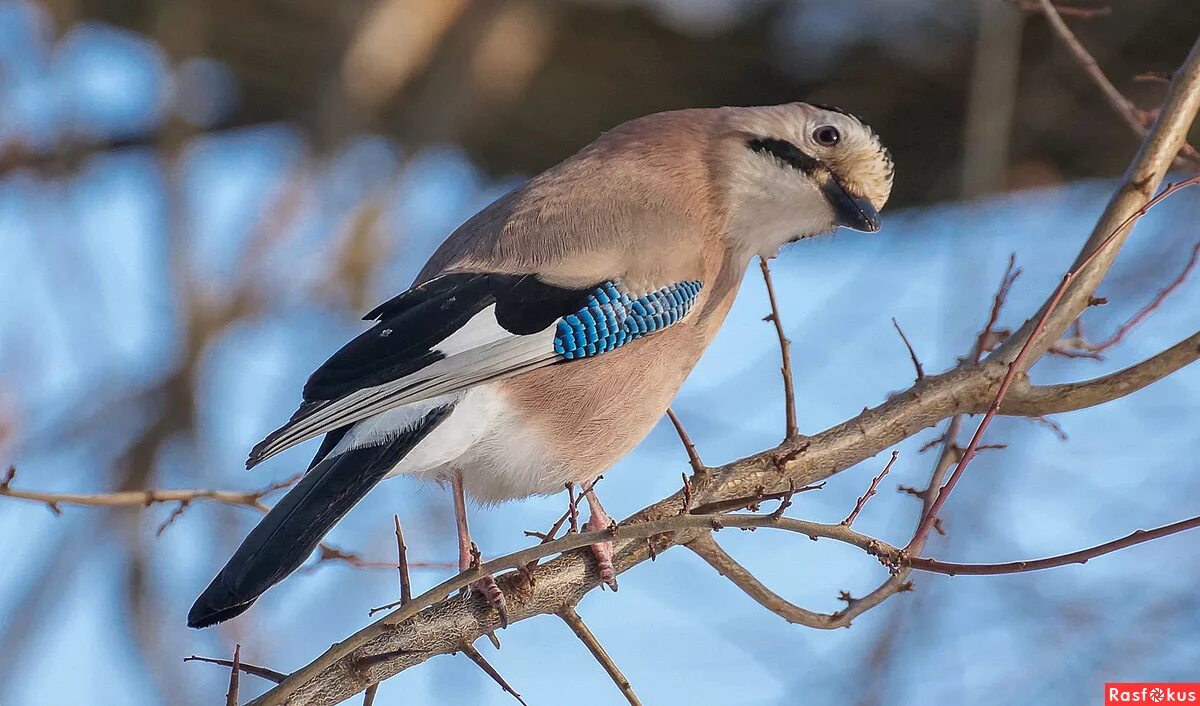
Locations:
547 335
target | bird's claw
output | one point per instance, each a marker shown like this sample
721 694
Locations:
604 558
495 597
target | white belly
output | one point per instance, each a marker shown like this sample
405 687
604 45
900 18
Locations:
499 456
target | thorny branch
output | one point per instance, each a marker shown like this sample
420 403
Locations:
1132 322
145 498
1019 363
785 353
920 369
416 631
261 672
862 501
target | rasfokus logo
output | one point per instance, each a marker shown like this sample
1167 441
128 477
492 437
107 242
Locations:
1151 693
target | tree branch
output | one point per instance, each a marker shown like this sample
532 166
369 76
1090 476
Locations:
1037 400
706 548
585 635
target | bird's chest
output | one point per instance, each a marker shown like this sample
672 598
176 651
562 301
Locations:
590 413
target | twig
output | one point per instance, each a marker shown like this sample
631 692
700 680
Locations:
1011 273
235 673
1018 363
142 498
720 506
1152 306
329 553
550 534
369 695
911 353
261 672
896 558
1081 556
469 650
688 446
785 353
707 548
862 501
572 508
402 564
1039 400
581 630
1138 120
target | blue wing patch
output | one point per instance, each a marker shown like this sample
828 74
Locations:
611 318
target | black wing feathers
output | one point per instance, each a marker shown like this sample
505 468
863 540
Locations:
293 528
411 325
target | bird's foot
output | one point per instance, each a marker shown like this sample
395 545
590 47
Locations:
495 597
603 552
604 557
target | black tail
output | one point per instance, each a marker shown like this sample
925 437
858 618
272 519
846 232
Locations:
293 528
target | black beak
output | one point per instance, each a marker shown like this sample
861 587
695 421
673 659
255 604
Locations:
852 212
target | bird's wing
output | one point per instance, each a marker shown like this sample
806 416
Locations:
465 328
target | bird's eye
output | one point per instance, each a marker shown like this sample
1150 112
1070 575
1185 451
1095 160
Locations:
826 135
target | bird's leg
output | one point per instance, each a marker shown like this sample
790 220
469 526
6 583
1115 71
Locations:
599 520
468 553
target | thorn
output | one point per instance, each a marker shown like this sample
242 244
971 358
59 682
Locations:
911 352
235 673
573 508
363 663
183 505
402 563
786 501
480 661
585 635
687 495
260 672
862 501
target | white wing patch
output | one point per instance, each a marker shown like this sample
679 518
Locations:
383 428
480 330
457 372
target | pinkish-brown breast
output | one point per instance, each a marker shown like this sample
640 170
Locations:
592 412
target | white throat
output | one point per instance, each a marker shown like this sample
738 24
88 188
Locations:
763 221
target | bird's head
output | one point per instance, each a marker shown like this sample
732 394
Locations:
796 170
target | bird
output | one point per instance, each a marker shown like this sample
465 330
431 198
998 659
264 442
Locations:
549 332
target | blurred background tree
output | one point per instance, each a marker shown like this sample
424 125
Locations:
197 199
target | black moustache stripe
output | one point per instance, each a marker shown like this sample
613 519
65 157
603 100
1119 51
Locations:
785 152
